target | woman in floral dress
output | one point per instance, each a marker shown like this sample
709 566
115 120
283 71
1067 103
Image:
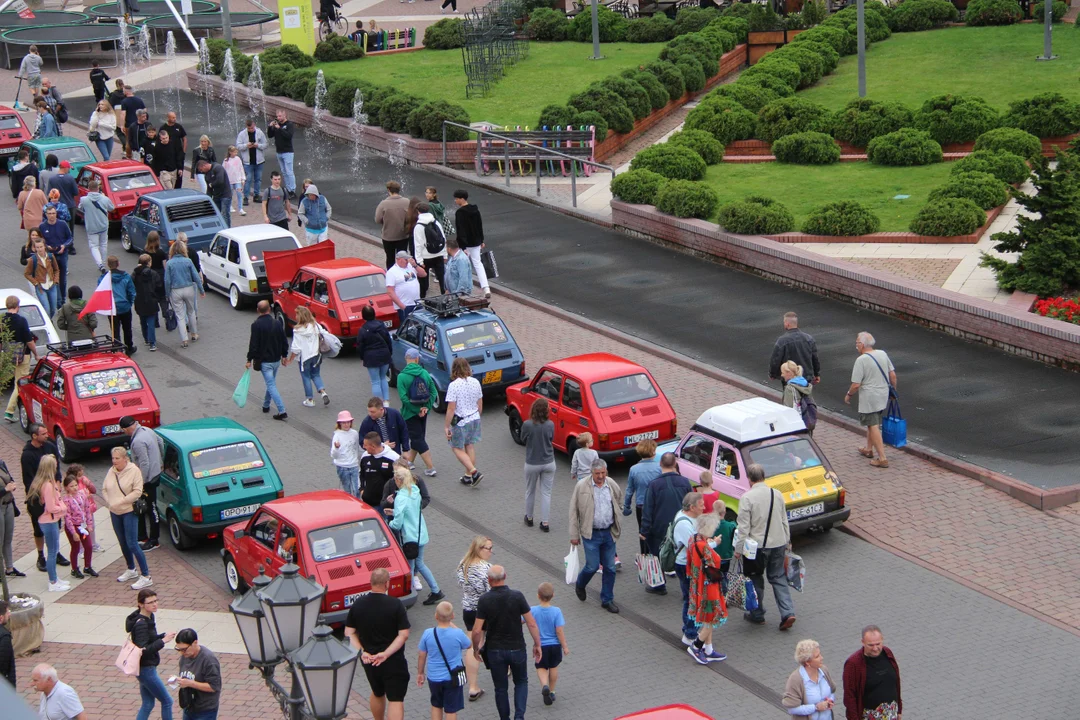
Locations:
707 607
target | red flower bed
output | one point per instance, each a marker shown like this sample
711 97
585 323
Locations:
1059 308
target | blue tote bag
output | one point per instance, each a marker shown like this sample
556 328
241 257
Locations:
893 424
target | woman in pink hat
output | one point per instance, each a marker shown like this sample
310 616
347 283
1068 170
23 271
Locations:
345 452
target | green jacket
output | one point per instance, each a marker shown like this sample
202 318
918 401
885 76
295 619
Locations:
405 379
67 318
726 532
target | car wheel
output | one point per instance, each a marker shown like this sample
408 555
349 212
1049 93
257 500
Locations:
66 454
393 376
24 418
232 576
440 403
235 299
515 427
279 317
180 539
571 445
125 241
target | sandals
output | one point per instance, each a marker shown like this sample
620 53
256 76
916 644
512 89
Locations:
866 453
879 463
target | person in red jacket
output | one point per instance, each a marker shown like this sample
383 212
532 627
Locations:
872 680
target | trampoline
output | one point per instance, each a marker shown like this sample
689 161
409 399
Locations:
209 21
64 35
151 8
43 17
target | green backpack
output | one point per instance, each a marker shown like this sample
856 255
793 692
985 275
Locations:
668 548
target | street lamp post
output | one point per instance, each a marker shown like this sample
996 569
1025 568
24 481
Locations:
277 621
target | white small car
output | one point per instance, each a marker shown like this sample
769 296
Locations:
40 322
233 264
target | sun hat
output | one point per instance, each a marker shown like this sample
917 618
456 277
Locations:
344 416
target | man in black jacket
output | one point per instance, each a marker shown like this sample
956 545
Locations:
38 446
470 235
7 652
663 499
218 188
267 347
798 346
23 168
388 422
282 129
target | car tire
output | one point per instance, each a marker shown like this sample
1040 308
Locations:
571 445
515 427
125 241
393 376
180 539
233 579
235 298
279 317
24 418
62 448
440 403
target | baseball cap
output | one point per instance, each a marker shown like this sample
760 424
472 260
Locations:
412 354
311 190
126 422
403 254
65 164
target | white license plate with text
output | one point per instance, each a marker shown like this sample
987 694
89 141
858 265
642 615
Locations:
350 599
236 512
634 439
110 430
806 511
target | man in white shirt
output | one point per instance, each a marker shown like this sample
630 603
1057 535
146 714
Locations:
403 284
59 701
693 505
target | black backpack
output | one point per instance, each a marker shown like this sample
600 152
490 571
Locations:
61 113
433 238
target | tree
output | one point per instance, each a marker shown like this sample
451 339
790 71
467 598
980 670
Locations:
1049 242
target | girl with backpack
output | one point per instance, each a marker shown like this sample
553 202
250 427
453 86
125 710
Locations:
798 393
418 396
373 347
429 247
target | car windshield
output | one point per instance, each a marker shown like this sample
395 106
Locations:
73 154
222 459
622 390
350 539
256 248
131 181
784 457
363 286
477 335
32 314
9 122
107 382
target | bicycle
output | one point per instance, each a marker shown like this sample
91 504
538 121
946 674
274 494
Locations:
328 27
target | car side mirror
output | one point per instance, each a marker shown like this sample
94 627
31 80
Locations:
286 286
24 381
239 534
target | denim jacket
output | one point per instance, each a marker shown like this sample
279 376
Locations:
641 475
458 274
316 213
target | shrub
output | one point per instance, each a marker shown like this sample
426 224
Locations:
723 118
696 46
992 12
787 71
916 15
529 5
309 91
904 147
638 186
788 116
751 96
813 12
1045 115
635 96
734 25
722 40
769 82
670 77
611 106
217 48
948 217
611 24
658 28
982 188
864 119
672 161
807 148
830 58
553 116
840 40
956 118
683 198
337 48
591 117
755 215
760 18
274 78
340 97
1057 11
241 67
846 217
295 84
447 34
547 24
693 74
426 121
694 19
658 96
1011 140
394 115
288 54
704 144
877 29
811 65
1003 165
374 101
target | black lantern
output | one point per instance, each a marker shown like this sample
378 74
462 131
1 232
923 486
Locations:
291 605
254 627
325 667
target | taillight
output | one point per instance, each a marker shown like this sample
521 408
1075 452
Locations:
603 440
674 427
843 497
80 429
253 285
196 514
346 329
157 418
522 368
406 583
280 494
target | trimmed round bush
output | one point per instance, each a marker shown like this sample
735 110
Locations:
554 116
734 25
241 67
309 91
786 70
788 116
807 148
956 118
547 24
693 74
611 106
904 147
1012 140
864 119
426 121
447 34
612 26
778 87
916 15
675 162
694 19
373 102
337 48
982 188
216 47
1057 10
877 28
829 57
1045 115
811 66
845 217
670 77
723 118
635 96
340 97
696 46
754 215
839 39
981 13
296 83
1005 166
658 96
638 186
394 115
593 118
751 96
274 76
657 28
287 54
704 144
948 217
683 198
722 41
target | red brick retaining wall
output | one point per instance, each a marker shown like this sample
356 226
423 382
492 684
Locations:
1007 327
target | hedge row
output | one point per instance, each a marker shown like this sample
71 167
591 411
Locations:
553 25
681 198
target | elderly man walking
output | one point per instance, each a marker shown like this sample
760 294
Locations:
872 680
873 377
147 449
764 534
594 523
59 701
693 506
663 499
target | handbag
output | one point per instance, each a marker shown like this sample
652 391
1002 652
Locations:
128 659
457 673
893 424
491 268
736 595
412 549
93 136
712 574
572 564
240 394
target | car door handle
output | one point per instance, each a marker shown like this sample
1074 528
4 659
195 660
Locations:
268 562
554 411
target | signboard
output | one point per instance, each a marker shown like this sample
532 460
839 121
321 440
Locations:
297 25
185 7
18 6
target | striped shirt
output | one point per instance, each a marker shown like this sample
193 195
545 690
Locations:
473 584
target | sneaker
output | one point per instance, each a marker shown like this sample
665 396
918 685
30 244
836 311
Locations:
246 201
465 480
258 198
787 622
308 403
417 585
59 586
41 563
128 575
149 545
15 572
618 564
325 398
688 641
75 573
434 598
670 574
698 654
90 571
432 472
143 582
546 692
62 561
10 417
266 409
477 476
153 348
715 656
281 416
243 211
98 547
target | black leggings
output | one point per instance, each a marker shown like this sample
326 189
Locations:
434 266
451 3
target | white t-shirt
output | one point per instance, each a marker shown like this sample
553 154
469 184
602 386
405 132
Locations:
405 284
466 392
61 704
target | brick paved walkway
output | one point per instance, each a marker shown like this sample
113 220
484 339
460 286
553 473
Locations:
928 270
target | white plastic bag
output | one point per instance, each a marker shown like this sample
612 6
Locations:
795 570
572 563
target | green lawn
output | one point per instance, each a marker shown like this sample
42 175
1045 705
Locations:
996 63
804 187
550 74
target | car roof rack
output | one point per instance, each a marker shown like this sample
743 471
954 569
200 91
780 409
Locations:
454 304
78 348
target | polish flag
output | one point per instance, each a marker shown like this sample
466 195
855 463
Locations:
102 300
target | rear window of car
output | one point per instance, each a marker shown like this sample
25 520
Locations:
73 154
352 538
785 457
364 286
107 382
622 390
477 335
256 249
131 181
32 314
9 122
222 459
189 210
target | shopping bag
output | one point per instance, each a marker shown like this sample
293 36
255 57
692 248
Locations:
893 425
751 602
736 583
491 268
795 570
328 344
128 659
170 318
572 563
649 573
240 394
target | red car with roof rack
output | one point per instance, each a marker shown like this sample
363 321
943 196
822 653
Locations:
80 390
335 290
13 132
122 181
616 400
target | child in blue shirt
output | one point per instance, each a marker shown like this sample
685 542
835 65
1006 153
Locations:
447 697
549 619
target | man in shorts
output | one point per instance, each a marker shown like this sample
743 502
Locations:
378 626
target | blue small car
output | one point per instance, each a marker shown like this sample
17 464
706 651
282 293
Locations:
171 212
478 335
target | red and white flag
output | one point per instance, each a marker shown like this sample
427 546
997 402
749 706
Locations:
101 301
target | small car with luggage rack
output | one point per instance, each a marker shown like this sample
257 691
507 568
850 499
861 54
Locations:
171 212
234 263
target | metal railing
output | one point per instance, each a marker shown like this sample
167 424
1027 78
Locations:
540 151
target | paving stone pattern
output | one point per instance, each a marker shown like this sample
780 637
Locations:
928 270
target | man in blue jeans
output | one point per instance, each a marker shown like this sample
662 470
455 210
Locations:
693 505
267 347
594 523
499 613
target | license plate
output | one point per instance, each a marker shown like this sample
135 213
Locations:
350 599
806 511
110 430
492 376
634 439
388 323
237 512
9 151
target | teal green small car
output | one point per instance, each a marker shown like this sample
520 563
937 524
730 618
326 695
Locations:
73 150
214 472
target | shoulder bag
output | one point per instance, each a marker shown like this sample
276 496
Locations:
130 656
139 505
457 672
757 565
411 550
712 574
893 424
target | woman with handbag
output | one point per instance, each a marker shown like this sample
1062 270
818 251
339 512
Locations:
103 129
144 635
45 491
472 576
707 607
414 532
123 491
305 345
874 378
